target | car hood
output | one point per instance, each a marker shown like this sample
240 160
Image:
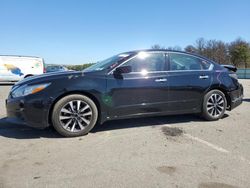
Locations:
48 77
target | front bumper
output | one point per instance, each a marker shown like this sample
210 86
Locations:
31 112
236 97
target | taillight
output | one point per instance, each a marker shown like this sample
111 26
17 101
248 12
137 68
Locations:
233 75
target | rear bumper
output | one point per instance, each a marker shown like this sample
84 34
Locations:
236 97
33 113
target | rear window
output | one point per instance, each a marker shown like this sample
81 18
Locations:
179 61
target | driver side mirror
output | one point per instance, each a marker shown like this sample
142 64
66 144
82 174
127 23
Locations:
122 70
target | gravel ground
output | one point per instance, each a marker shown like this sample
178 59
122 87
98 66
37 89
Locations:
173 151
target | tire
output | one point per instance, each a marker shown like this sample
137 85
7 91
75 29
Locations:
74 115
214 105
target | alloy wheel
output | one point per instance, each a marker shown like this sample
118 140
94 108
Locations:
215 105
75 116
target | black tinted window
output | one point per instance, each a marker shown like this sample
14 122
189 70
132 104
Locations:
109 63
147 62
187 62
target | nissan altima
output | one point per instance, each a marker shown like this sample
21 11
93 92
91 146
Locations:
127 85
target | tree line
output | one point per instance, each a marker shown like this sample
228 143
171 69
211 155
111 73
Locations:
236 53
79 67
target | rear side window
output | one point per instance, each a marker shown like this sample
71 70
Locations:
149 62
178 62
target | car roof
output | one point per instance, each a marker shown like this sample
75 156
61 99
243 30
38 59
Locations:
155 50
166 51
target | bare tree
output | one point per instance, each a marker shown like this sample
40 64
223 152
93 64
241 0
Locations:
200 45
236 52
176 48
157 47
212 49
191 49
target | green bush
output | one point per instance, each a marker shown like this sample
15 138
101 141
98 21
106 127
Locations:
79 67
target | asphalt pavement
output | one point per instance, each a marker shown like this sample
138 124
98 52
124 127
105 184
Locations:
171 151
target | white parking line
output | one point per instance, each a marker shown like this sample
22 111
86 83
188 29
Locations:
215 147
244 159
220 149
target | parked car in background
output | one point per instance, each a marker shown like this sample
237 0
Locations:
15 68
127 85
55 68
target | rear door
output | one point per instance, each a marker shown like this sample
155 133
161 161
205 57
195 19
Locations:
142 91
188 78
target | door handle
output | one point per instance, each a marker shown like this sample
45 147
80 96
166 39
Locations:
161 80
204 77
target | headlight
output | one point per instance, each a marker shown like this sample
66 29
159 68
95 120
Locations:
28 89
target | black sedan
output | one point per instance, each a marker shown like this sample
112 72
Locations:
128 85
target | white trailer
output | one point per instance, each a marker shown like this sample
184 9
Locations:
15 68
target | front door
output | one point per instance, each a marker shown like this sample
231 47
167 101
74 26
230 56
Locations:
143 91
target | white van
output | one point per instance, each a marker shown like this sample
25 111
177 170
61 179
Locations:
15 68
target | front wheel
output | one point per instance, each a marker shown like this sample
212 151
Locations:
214 105
74 115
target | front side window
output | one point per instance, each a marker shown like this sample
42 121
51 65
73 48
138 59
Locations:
109 63
179 62
147 62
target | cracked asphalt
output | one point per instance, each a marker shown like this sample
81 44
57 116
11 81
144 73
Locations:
172 151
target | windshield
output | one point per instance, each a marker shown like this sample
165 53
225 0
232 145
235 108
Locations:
109 63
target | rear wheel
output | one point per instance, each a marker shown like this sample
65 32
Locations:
74 115
214 105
